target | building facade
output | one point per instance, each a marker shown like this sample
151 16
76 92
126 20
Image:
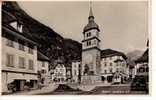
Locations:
76 71
114 68
43 68
19 63
59 73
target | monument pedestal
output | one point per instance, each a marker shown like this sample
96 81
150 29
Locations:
90 79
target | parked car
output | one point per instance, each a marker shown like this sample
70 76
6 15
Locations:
139 83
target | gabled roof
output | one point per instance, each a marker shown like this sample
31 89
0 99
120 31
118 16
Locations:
7 29
7 17
91 24
109 53
42 57
143 58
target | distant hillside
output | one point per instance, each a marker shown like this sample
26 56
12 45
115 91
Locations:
50 42
134 54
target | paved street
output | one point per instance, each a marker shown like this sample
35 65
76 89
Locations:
123 89
48 89
62 89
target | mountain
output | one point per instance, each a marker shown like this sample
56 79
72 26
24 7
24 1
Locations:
51 44
133 55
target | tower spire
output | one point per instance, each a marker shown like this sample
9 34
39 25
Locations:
91 12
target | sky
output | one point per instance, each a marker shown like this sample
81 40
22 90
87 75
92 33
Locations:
123 25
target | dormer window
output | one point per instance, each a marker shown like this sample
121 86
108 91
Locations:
18 26
14 24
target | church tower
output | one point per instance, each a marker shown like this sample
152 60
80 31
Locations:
90 51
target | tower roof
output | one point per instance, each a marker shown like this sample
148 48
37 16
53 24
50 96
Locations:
91 24
91 12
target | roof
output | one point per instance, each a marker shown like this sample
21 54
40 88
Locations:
118 60
6 29
91 24
143 58
76 60
109 53
7 17
42 57
59 61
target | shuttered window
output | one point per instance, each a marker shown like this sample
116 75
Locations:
31 64
21 62
10 60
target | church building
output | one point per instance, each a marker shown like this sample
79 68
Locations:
90 51
90 65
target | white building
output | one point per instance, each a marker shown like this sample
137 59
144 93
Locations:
59 73
114 68
76 71
43 68
19 63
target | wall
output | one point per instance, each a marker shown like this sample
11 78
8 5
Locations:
18 53
114 66
75 70
11 73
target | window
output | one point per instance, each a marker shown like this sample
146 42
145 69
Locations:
88 43
118 57
117 70
117 64
79 65
141 70
89 34
123 64
94 42
10 43
43 71
10 60
31 64
86 34
111 64
111 70
105 71
21 47
30 50
43 64
110 58
105 64
74 72
21 62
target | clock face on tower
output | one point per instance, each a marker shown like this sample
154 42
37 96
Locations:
88 58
